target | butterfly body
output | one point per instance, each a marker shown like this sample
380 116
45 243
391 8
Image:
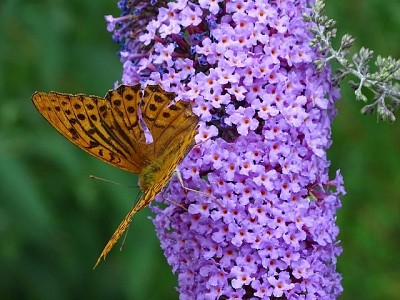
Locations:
117 129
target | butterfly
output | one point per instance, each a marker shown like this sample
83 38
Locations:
140 131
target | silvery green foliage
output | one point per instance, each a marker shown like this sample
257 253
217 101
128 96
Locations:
383 83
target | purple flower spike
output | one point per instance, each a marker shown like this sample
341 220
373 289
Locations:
268 231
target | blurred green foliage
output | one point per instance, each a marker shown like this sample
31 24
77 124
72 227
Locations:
54 220
368 154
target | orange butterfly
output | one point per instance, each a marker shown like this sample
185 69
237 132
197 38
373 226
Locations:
114 129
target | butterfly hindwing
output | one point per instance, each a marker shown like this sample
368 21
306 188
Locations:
167 120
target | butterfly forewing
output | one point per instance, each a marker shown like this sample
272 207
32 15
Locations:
96 125
90 121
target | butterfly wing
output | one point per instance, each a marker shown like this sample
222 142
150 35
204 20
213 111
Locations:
110 129
107 128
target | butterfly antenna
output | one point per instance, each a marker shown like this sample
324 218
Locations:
111 181
174 203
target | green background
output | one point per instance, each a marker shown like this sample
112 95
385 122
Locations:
54 220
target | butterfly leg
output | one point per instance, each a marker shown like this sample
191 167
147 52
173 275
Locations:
180 179
173 202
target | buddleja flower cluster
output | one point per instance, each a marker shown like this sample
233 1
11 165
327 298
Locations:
267 228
